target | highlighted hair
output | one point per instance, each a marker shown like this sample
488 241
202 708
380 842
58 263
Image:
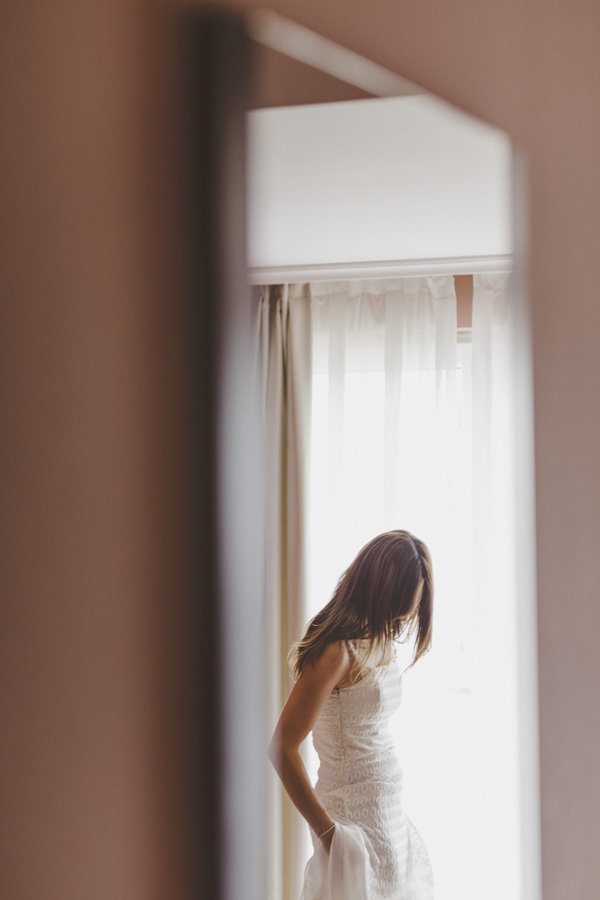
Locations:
386 594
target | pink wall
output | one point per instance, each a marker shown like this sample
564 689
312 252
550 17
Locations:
89 460
89 747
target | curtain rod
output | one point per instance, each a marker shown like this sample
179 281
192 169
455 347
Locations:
451 265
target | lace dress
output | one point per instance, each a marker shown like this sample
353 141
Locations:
376 853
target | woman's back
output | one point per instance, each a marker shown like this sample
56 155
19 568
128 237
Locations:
352 736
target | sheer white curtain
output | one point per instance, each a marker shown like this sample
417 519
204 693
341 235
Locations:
384 372
387 448
411 429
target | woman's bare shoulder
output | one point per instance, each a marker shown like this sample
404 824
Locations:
334 656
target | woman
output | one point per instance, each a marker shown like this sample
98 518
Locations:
347 685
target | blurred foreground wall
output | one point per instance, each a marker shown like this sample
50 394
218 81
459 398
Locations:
91 746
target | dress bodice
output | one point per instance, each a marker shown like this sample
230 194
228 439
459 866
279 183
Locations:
352 735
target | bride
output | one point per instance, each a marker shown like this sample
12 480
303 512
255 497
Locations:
348 684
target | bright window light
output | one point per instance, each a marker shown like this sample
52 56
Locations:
456 730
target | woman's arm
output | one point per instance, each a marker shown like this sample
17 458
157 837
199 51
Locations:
299 714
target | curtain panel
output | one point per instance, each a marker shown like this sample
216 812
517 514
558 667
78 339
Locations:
283 336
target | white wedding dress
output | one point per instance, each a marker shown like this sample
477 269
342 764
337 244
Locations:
376 852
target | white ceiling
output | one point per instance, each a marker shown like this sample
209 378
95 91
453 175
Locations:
368 180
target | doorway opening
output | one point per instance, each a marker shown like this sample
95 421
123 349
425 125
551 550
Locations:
415 419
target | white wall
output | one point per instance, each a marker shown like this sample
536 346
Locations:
366 180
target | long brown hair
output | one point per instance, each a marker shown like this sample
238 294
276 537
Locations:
385 594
